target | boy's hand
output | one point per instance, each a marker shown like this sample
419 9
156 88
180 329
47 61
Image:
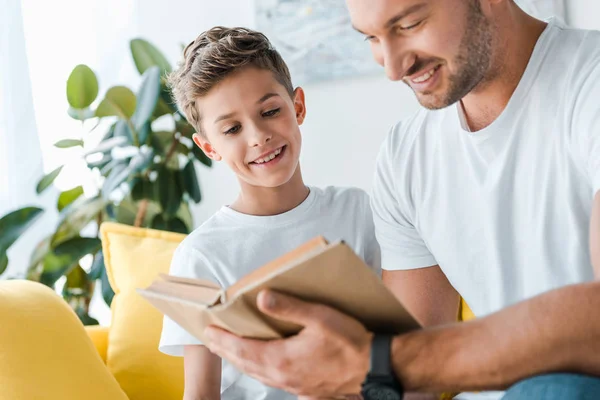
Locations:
329 357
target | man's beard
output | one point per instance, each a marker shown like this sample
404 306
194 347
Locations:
472 62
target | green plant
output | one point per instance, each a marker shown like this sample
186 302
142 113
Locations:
147 177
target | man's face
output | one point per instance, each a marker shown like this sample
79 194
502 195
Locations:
440 48
251 123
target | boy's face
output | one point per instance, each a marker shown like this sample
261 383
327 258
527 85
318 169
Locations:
252 124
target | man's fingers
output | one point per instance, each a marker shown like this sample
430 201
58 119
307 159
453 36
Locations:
248 355
288 308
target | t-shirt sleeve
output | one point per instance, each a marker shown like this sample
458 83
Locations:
586 125
372 249
186 262
402 247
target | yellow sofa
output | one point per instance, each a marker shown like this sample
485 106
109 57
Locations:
45 352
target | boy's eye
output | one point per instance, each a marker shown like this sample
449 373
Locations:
232 130
271 113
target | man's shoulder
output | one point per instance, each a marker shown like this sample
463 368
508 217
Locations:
579 48
421 127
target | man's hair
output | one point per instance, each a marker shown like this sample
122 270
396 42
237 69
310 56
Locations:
214 55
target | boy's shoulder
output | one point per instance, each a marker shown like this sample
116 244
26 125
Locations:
341 196
210 233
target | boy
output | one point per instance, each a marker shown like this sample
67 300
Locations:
237 92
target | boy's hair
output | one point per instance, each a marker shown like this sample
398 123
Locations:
214 55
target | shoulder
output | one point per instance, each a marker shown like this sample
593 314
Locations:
344 203
411 134
577 53
336 196
208 236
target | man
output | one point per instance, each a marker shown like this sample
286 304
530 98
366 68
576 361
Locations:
491 191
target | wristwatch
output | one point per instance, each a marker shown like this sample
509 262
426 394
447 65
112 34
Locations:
381 382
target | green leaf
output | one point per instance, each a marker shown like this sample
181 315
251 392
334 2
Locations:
12 226
185 215
142 189
201 156
160 222
190 182
81 114
82 87
162 108
161 141
66 256
144 132
185 128
77 216
107 291
126 212
69 196
47 180
122 130
117 176
168 191
37 258
66 143
145 55
85 318
147 97
97 267
78 247
119 101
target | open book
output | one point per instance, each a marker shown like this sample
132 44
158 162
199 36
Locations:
330 274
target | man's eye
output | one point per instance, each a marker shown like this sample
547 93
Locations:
369 38
232 130
271 113
413 26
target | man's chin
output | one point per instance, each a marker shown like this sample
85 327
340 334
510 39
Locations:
432 101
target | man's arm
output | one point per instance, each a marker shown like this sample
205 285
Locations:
202 371
556 331
426 293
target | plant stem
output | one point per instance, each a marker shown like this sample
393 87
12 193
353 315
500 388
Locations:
171 150
141 214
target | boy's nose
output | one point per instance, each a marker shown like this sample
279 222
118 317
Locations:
259 138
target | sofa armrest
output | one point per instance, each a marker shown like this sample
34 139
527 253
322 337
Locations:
99 336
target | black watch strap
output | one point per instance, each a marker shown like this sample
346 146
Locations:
381 381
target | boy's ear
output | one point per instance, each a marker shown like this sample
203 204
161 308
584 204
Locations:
299 105
206 147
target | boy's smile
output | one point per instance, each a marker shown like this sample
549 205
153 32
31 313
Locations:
251 123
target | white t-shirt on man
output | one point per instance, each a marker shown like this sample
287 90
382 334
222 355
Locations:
503 211
230 245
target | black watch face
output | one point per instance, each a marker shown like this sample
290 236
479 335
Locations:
381 392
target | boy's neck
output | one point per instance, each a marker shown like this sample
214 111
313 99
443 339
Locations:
263 201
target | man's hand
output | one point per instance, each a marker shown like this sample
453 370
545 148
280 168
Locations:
328 358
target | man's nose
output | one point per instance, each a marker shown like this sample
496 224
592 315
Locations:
396 61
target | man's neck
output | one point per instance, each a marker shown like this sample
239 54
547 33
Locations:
258 200
519 35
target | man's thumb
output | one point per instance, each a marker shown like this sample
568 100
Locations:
287 308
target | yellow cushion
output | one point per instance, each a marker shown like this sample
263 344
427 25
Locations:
465 313
133 258
99 336
45 351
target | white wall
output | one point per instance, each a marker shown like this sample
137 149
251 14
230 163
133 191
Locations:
346 119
